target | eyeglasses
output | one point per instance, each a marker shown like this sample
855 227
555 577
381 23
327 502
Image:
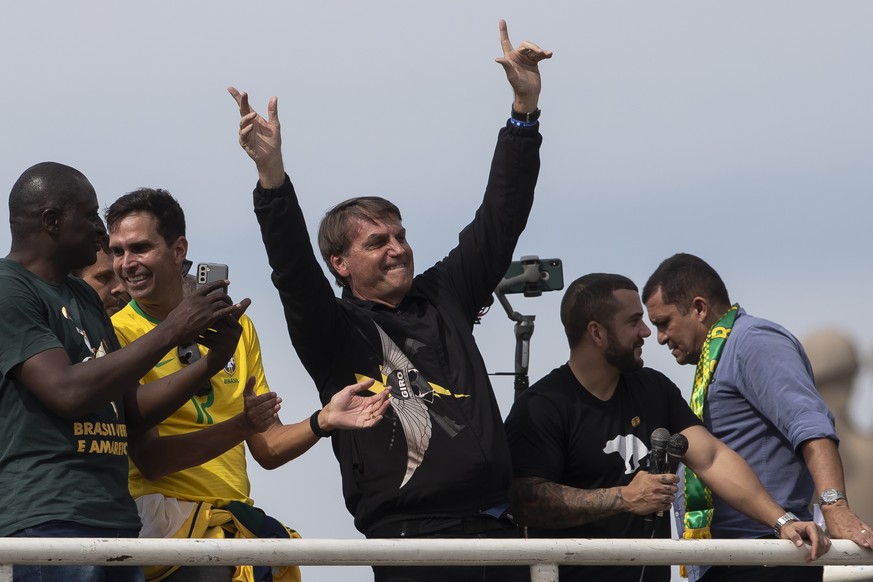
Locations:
188 354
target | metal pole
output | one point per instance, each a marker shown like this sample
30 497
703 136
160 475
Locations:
524 329
544 573
426 552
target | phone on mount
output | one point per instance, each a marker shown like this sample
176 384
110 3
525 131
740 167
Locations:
209 272
551 277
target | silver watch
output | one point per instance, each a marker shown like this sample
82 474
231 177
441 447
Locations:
787 518
830 496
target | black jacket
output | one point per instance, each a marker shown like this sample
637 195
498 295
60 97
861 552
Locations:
441 449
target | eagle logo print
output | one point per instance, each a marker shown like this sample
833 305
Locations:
410 395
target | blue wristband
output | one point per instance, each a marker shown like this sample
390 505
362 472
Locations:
517 123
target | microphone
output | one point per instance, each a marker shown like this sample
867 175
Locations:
677 446
676 449
658 455
659 441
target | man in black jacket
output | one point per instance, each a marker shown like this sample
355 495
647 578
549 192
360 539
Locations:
438 465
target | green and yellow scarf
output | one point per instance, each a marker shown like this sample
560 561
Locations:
698 497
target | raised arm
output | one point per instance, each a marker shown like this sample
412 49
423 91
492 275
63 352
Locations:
314 322
261 139
485 247
731 478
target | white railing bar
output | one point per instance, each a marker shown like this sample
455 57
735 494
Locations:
425 552
848 574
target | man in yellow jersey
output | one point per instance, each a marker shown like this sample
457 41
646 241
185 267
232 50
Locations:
188 474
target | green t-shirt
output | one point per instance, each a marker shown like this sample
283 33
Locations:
53 468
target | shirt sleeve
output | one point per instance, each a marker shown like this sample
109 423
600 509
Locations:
776 378
681 415
253 356
536 441
485 246
311 313
23 326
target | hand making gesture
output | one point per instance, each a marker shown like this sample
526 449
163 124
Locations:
522 70
261 139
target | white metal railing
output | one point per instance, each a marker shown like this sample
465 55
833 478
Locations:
543 555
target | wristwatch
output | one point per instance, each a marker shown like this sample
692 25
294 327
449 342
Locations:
830 496
528 117
787 518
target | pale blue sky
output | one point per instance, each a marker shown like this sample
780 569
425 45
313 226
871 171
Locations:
741 132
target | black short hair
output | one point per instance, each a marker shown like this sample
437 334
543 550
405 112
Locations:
590 298
683 277
41 186
159 203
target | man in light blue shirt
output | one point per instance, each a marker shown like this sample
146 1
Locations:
761 400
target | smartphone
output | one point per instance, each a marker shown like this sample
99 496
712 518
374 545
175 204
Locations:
209 272
551 277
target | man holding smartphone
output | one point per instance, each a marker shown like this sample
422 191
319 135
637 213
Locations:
441 467
189 472
68 398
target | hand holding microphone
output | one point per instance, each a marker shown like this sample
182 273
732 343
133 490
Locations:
657 462
664 457
677 446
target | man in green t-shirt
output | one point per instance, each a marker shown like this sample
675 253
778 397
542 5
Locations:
67 394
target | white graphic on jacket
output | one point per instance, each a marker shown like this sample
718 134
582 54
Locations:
410 395
631 449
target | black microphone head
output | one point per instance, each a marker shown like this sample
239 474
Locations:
659 439
677 445
657 456
676 449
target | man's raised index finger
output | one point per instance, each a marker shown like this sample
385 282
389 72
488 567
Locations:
272 108
504 38
234 93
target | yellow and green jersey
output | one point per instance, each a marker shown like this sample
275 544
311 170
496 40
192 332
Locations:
224 478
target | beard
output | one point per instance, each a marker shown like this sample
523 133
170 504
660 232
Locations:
622 357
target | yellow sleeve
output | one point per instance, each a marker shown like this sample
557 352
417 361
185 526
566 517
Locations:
252 348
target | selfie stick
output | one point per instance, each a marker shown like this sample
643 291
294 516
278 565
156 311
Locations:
524 324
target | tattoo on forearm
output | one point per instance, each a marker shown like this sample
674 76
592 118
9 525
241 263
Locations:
542 503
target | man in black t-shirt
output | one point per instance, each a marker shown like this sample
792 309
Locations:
580 436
